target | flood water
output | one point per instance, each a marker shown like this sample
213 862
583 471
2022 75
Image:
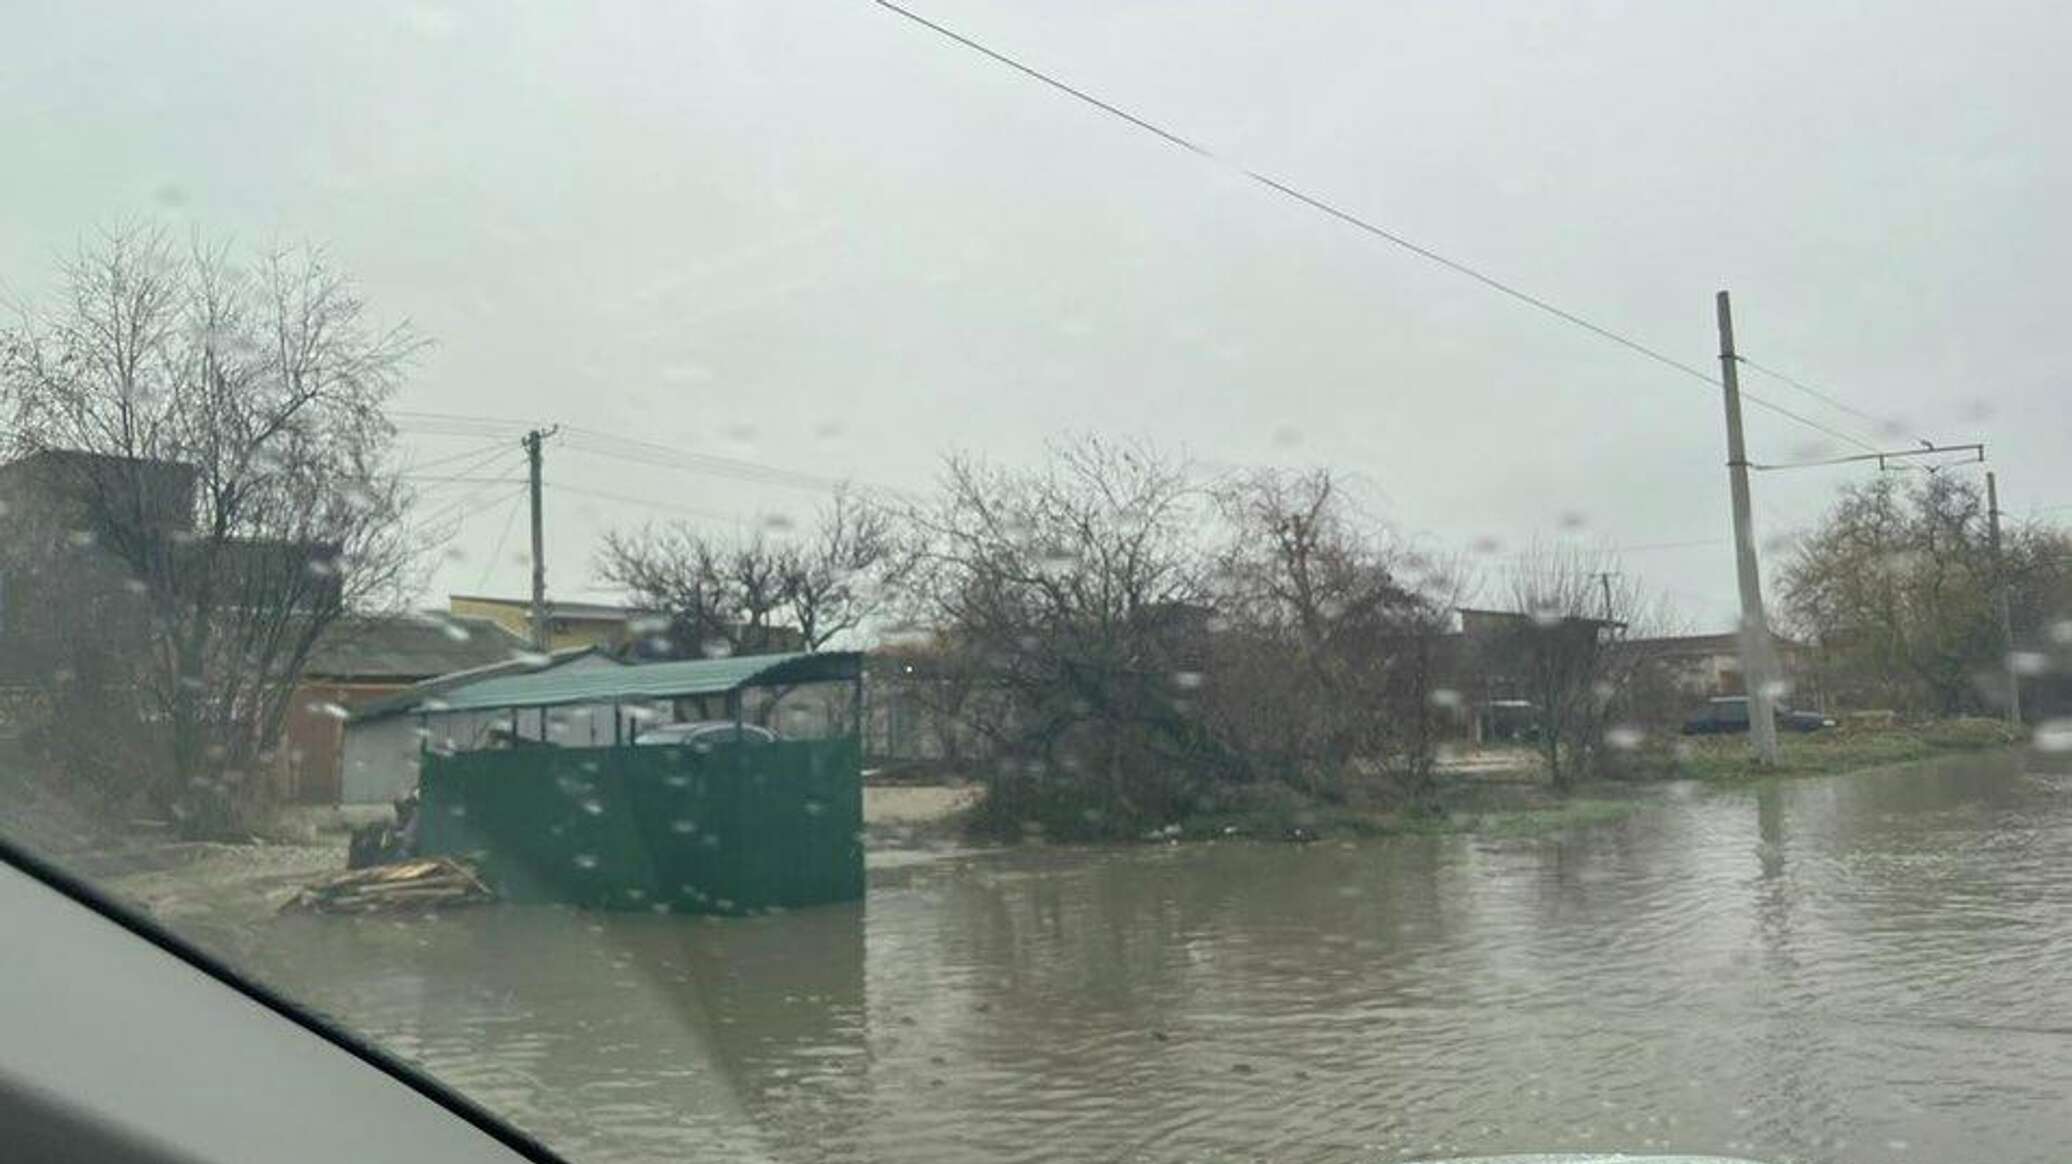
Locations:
1866 968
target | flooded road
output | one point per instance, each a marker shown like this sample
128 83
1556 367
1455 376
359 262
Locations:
1866 968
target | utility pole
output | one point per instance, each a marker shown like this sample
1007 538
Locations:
532 442
1756 673
1604 579
2014 676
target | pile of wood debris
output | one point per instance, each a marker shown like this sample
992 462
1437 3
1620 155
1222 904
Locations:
431 882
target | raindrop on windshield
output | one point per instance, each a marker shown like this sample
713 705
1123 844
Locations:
2054 735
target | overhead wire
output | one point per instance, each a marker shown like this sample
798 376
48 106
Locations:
1884 423
1360 223
580 438
650 502
450 458
489 564
453 423
598 443
463 506
441 479
479 463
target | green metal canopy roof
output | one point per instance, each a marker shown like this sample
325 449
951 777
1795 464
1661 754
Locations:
652 681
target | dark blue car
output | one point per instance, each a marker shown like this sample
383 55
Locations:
1730 714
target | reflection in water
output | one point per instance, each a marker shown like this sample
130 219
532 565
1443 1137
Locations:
1854 969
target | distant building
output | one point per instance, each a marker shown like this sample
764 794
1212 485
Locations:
362 659
1708 666
51 552
569 624
1485 668
383 740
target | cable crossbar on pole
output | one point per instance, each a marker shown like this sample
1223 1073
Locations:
1978 451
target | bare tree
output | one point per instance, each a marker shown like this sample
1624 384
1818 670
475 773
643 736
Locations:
1561 650
1076 592
834 581
1330 653
216 432
757 593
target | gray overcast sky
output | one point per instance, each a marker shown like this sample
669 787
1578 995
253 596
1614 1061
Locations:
814 235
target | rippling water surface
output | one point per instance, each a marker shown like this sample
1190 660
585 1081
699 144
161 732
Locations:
1865 968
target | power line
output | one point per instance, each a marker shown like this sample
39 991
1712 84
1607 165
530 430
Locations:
1652 546
1645 547
1815 393
1359 223
1883 423
438 479
480 462
454 423
489 565
646 501
603 444
467 507
462 507
597 442
463 455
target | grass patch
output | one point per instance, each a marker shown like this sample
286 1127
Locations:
1832 752
1570 814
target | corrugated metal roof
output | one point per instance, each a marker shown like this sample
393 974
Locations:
411 697
652 680
408 647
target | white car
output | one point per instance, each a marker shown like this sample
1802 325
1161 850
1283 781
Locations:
705 733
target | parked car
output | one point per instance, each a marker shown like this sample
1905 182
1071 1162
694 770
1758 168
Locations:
1730 714
1510 721
705 733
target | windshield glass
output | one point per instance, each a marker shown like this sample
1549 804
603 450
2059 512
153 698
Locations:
969 581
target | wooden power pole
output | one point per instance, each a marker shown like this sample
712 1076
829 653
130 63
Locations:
1757 675
2006 604
532 442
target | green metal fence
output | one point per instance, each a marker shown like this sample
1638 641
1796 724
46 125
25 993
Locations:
733 828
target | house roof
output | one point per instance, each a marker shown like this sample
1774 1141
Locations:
597 611
409 647
412 697
1719 644
1519 616
554 688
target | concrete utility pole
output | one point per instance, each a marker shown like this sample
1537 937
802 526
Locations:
1757 675
532 442
2006 604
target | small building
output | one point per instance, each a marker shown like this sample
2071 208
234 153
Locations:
1709 666
569 624
739 824
362 659
384 739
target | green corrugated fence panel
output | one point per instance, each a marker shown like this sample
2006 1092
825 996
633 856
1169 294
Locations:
733 829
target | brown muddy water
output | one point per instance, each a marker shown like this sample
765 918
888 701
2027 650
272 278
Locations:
1875 967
